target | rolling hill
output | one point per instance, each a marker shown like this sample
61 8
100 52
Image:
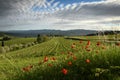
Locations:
32 33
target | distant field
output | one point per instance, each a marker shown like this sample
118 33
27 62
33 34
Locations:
0 37
19 41
62 59
97 37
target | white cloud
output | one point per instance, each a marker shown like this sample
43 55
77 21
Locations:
54 15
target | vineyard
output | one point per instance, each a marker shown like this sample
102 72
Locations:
63 59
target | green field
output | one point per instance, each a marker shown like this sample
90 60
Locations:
111 37
18 41
62 59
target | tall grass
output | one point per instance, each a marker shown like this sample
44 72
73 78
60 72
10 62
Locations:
97 62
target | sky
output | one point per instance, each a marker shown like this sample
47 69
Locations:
59 14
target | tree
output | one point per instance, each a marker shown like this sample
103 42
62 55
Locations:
2 43
39 39
42 38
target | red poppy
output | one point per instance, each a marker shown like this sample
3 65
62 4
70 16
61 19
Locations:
69 63
103 47
53 58
86 46
70 53
88 43
74 58
73 43
98 43
80 41
31 66
45 59
64 71
26 69
117 44
87 61
88 50
50 65
73 46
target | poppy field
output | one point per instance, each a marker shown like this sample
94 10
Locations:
63 59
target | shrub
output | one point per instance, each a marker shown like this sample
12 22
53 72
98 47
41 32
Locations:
20 46
7 48
2 50
6 38
42 38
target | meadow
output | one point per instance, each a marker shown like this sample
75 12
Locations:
63 59
16 40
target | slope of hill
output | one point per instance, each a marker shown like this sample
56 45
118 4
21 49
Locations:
62 59
32 33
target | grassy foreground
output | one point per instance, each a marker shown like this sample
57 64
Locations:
62 59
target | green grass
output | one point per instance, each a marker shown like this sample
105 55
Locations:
104 65
97 37
19 41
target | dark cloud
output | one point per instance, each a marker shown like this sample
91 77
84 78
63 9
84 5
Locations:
91 11
6 6
20 13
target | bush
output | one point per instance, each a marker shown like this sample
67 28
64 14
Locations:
7 48
20 46
6 38
33 43
2 50
14 47
42 38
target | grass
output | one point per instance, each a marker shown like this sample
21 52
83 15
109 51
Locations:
19 41
92 63
97 37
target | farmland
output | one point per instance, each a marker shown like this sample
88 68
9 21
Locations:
62 59
18 41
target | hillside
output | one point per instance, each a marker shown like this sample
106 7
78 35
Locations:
62 59
32 33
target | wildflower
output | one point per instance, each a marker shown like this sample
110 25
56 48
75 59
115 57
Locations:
25 69
73 43
103 47
70 53
73 46
80 41
74 58
69 63
53 58
87 61
64 71
31 66
98 43
88 50
86 47
50 65
88 43
117 44
45 59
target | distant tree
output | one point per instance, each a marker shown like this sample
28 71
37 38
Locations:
39 39
5 38
42 38
3 43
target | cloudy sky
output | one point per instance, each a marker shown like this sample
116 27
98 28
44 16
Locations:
59 14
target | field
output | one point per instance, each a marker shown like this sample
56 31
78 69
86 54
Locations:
62 59
18 41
